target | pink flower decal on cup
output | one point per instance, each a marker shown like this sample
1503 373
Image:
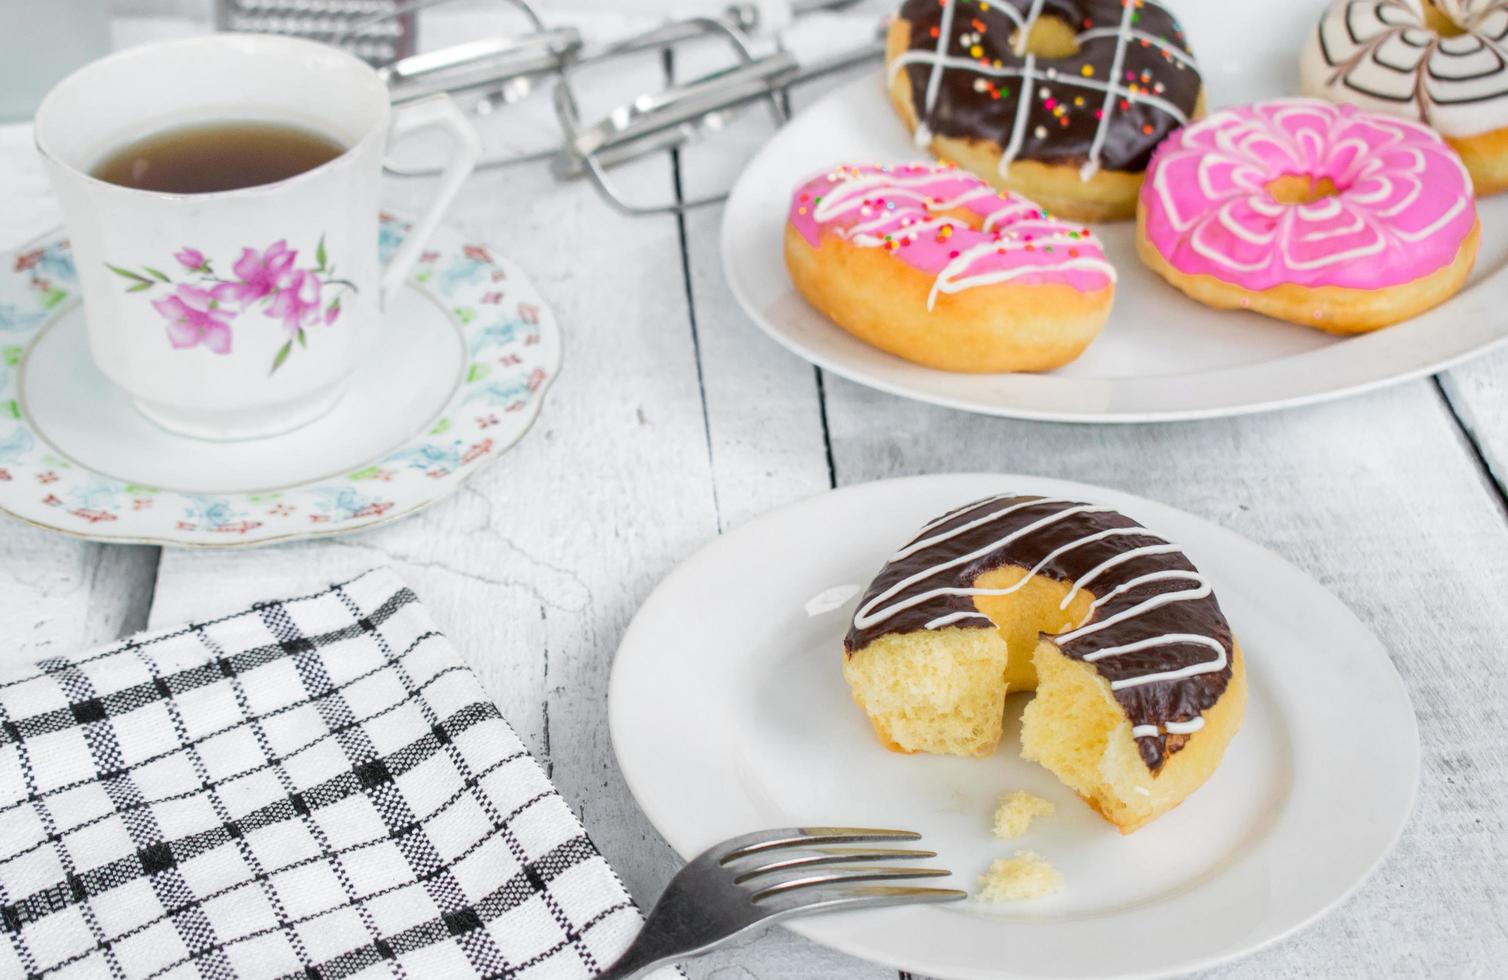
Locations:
259 275
296 301
195 317
192 259
202 312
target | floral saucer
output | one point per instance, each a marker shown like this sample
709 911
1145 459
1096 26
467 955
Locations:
466 353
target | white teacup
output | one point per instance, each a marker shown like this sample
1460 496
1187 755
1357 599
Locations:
241 313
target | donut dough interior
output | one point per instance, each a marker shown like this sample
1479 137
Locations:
943 691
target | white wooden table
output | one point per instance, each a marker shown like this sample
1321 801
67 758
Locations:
675 419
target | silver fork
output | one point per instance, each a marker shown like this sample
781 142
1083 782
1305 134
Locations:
769 875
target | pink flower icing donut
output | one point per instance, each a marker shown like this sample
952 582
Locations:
931 263
1310 212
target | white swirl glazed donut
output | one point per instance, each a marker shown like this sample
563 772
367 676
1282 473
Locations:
1440 62
1310 212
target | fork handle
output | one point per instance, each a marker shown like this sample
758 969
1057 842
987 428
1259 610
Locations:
635 963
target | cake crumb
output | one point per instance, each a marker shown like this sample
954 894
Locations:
1021 876
1016 812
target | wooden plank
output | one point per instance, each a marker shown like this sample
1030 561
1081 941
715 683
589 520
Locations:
766 443
764 422
59 595
1478 395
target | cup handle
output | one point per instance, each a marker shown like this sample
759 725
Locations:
437 111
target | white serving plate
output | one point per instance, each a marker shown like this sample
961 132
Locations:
729 713
1162 356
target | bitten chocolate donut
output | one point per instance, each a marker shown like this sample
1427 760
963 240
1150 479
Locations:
1441 62
1059 100
1140 683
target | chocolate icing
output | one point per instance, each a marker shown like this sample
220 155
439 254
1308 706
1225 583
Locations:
1155 703
1155 75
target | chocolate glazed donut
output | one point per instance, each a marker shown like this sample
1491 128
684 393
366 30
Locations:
1156 634
1044 95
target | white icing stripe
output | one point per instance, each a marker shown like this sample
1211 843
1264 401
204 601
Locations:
1092 165
1193 670
852 192
1171 574
954 618
868 615
952 278
922 544
859 234
934 80
1023 110
1172 728
1024 35
955 514
1024 100
1124 556
1161 45
1152 642
1155 602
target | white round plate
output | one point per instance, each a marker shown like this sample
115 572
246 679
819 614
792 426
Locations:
1162 356
729 713
458 375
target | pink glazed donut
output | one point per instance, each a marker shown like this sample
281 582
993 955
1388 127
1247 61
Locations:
1310 212
932 264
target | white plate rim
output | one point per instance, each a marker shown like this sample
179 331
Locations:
640 779
1306 378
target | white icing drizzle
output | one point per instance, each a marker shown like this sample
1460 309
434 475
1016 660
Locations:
868 615
1028 81
1092 165
850 194
1125 34
953 280
1025 28
1124 556
951 618
1023 109
1172 728
893 599
934 79
1156 602
1152 642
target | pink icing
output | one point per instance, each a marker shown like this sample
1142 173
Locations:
899 209
1402 207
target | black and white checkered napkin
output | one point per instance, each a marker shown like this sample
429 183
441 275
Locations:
316 787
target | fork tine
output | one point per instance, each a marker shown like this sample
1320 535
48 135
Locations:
833 855
770 840
843 876
866 896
